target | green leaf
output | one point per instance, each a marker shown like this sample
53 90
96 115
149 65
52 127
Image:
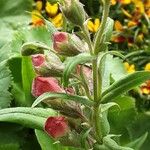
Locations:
5 81
111 144
46 142
27 76
29 117
84 136
137 144
105 126
73 62
125 84
109 29
10 22
121 119
106 67
63 96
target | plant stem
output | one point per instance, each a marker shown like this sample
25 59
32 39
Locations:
96 76
96 107
100 32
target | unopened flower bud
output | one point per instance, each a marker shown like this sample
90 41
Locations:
47 65
68 44
42 85
74 12
38 59
56 127
31 48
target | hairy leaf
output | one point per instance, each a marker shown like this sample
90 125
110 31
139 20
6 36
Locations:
63 96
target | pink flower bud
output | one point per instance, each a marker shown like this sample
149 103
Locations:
41 85
38 59
56 126
59 38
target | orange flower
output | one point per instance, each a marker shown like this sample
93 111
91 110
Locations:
36 20
145 88
118 26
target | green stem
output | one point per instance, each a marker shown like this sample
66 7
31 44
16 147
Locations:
96 107
100 32
96 76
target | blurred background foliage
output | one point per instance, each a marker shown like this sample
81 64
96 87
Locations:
18 24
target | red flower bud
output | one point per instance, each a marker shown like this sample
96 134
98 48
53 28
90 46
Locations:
68 44
56 126
41 85
59 37
38 59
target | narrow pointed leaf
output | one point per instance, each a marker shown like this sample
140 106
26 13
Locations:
29 117
63 96
137 144
125 84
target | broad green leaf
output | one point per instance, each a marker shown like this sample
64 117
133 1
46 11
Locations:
125 84
137 144
73 62
10 22
63 96
120 119
106 67
46 142
27 76
139 127
29 117
5 81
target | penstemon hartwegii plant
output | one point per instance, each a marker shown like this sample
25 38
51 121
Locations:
72 79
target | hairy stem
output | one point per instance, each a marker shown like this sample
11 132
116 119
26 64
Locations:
98 39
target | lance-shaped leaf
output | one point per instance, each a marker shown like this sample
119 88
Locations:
137 144
29 117
111 144
63 96
73 62
125 84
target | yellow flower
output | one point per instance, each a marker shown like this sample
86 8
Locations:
93 26
125 2
147 67
39 5
51 9
118 26
139 6
113 2
57 20
129 68
36 21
